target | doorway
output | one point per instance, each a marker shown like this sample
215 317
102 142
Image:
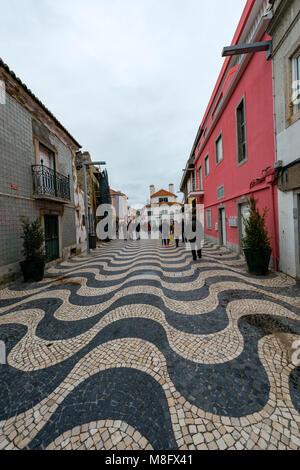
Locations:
222 225
51 237
245 214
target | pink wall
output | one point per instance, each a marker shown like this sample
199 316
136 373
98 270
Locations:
256 86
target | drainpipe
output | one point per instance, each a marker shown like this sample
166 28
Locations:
87 221
271 180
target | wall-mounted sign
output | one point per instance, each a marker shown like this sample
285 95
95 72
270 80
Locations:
221 192
14 187
233 222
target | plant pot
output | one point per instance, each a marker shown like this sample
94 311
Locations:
92 241
33 271
258 261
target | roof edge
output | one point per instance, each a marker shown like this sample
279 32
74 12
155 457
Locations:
36 99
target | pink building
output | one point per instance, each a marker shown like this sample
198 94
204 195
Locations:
233 155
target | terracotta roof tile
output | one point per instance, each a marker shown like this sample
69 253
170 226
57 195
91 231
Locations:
117 193
163 192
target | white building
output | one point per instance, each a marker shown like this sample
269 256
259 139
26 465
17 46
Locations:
131 213
285 31
163 204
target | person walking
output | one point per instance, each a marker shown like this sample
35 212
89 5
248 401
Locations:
131 229
138 230
194 236
177 231
123 231
166 233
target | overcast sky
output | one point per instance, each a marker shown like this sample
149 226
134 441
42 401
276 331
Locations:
129 79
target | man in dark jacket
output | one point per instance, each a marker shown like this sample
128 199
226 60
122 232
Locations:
194 236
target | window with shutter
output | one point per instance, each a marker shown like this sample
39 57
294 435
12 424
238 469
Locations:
219 149
241 132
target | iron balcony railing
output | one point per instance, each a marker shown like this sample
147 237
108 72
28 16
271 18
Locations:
47 182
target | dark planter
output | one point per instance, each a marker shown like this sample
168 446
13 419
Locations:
33 271
258 261
92 241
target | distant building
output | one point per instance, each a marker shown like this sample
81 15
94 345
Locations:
120 204
93 178
285 31
163 203
132 213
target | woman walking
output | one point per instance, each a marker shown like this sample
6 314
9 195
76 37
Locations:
177 232
165 229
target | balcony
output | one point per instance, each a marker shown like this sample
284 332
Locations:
196 193
48 184
193 191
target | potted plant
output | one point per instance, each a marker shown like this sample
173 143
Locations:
33 249
256 243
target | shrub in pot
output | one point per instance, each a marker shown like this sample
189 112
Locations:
256 243
33 267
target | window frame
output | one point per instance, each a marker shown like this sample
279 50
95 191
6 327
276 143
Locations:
209 226
295 64
39 141
219 137
245 159
200 175
206 159
291 115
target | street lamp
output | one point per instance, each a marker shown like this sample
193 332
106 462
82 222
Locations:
87 221
240 49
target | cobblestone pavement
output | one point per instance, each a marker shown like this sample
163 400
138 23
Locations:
139 347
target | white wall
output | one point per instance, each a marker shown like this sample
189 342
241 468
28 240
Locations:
287 233
80 211
288 144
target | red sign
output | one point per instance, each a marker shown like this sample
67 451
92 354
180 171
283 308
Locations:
14 187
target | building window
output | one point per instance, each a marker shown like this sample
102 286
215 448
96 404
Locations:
46 157
206 166
208 219
193 181
218 105
163 199
241 132
200 179
219 149
296 83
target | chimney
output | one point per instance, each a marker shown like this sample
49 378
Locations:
152 190
171 188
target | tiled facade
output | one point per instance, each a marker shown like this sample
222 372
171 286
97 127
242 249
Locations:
20 118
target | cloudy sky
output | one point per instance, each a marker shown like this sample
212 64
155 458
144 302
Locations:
130 79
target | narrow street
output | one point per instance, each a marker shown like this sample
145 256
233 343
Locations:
138 347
